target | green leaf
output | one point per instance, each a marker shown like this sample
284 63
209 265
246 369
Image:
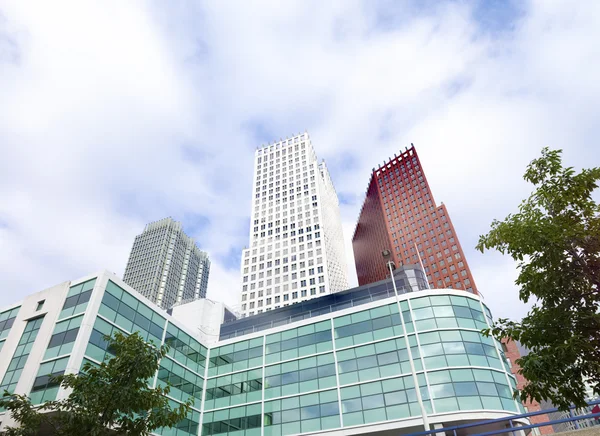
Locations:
110 398
555 238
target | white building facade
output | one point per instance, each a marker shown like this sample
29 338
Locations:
166 266
296 247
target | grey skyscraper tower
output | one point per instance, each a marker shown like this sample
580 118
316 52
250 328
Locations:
166 266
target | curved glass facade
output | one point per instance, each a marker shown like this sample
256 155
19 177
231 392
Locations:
342 369
354 368
380 364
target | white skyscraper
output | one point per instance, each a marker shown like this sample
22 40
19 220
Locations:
296 249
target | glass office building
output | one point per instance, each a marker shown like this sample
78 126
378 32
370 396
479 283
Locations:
362 361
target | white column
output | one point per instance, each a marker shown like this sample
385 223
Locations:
438 426
516 432
410 356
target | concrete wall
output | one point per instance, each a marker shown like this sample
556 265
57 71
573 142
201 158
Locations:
204 317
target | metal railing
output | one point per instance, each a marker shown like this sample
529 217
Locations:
513 429
359 300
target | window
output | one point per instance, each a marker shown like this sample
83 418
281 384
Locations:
64 333
12 376
40 304
77 299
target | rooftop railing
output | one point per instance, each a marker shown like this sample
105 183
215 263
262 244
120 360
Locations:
364 299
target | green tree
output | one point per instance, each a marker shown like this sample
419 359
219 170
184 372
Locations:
555 239
110 398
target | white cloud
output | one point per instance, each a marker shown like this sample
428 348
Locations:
118 114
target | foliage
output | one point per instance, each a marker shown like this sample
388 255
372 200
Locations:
23 412
110 398
555 238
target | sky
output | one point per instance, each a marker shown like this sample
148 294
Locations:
118 113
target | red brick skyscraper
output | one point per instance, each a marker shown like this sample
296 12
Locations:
399 214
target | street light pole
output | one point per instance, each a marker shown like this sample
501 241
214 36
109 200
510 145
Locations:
391 266
422 267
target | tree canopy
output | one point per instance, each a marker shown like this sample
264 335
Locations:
113 397
555 239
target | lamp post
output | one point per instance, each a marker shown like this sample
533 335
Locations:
390 264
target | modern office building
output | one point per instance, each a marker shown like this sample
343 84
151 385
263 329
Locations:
399 214
296 247
367 361
166 266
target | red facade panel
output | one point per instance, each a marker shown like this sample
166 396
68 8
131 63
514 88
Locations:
370 239
417 229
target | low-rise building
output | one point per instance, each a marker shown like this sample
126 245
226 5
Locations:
371 360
